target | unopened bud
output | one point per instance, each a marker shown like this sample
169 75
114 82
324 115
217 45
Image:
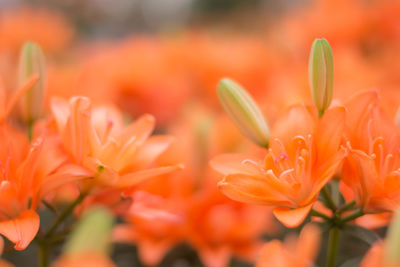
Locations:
243 111
320 74
32 62
92 233
392 246
397 118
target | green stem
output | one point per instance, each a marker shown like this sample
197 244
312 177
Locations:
335 192
347 207
45 243
44 254
333 247
329 202
64 215
315 213
353 216
50 207
30 129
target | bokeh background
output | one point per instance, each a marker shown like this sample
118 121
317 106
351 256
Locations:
165 57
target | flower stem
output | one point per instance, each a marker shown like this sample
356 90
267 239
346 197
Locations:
315 213
347 207
30 130
353 216
64 215
44 254
45 243
333 246
329 202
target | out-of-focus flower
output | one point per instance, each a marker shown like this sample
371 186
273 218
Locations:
304 154
32 62
215 226
154 224
320 71
8 103
86 259
48 29
371 168
300 252
243 111
117 156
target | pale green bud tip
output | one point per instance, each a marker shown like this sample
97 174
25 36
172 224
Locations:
31 62
392 246
320 74
243 111
92 233
397 118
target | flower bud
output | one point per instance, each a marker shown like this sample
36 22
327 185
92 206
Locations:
320 74
392 246
92 233
243 111
397 118
32 62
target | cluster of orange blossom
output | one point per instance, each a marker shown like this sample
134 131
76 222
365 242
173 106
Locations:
329 149
90 148
333 163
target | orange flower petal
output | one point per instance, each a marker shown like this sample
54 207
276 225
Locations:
329 133
215 257
292 217
132 179
141 129
228 164
150 150
66 174
87 259
273 254
359 105
152 252
296 121
251 189
22 229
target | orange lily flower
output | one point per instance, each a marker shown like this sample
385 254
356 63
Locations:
371 169
304 154
28 173
117 156
296 252
220 229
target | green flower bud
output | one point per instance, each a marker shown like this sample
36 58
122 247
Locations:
92 233
392 246
243 111
320 74
32 61
397 118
